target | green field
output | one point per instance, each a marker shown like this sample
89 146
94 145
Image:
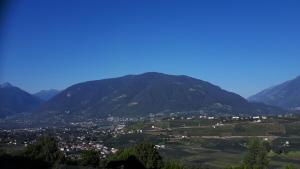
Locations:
203 142
218 153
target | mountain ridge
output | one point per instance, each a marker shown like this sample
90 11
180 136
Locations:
285 95
46 94
150 92
15 100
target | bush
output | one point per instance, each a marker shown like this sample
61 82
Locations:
144 152
46 149
173 165
90 158
290 167
17 162
256 157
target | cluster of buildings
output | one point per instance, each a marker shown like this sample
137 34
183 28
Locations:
71 141
73 150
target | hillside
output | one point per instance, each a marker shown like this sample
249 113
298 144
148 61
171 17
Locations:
285 95
139 95
46 94
13 100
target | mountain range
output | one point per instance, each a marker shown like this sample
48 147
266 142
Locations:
140 95
130 96
46 94
285 95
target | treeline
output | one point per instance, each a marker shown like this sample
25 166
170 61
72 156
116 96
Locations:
44 154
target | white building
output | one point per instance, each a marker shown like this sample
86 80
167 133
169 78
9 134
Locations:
235 118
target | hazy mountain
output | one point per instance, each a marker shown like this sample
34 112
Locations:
137 95
285 95
14 100
6 84
46 94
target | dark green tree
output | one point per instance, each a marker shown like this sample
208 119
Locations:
149 156
90 158
144 152
173 165
238 167
256 157
46 149
123 154
290 167
267 146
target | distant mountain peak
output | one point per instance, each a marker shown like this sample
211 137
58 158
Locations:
6 84
149 74
285 95
48 90
297 78
46 94
142 94
159 75
152 73
15 100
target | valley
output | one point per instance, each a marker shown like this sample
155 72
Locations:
213 142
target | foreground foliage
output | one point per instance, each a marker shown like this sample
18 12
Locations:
256 157
45 154
46 149
144 152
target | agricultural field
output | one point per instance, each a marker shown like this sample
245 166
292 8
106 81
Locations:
217 144
217 153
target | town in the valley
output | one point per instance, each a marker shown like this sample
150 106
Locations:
172 135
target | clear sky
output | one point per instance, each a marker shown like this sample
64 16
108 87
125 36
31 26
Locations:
242 46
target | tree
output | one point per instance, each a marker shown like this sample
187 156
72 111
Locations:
144 152
149 156
90 158
46 149
238 167
123 154
256 157
8 161
267 146
290 167
130 163
173 165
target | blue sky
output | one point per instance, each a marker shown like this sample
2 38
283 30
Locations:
242 46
